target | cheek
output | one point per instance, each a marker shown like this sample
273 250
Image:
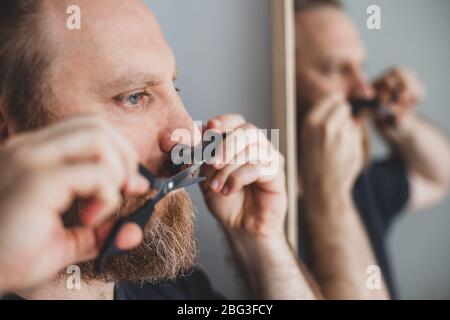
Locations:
142 135
327 85
321 86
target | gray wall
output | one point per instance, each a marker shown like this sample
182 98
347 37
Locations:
223 50
415 33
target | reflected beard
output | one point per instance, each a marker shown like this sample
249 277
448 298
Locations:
168 250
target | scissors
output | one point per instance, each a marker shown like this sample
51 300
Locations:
375 105
360 104
181 180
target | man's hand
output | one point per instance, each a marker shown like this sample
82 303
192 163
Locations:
422 147
332 152
238 191
246 192
43 172
332 158
401 91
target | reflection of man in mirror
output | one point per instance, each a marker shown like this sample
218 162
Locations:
348 199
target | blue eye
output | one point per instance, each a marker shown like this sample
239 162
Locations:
134 98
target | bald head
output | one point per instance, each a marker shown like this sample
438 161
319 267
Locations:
118 40
40 55
325 29
106 24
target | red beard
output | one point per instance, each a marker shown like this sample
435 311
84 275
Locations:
168 249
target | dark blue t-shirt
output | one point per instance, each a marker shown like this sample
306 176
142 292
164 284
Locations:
380 193
194 286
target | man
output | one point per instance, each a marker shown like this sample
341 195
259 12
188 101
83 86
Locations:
348 201
120 68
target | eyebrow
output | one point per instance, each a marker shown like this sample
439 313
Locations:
132 81
129 82
176 73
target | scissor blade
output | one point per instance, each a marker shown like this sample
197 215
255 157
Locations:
185 174
190 182
155 182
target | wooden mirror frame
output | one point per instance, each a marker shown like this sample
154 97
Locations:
284 102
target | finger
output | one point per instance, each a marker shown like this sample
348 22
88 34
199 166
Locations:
208 172
84 138
384 85
89 181
414 88
253 154
84 243
226 122
336 117
319 113
235 142
127 152
101 149
352 133
392 86
245 176
65 127
80 244
129 236
136 185
36 143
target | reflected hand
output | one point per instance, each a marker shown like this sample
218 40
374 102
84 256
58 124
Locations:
332 152
401 91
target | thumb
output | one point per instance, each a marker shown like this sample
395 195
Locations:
84 243
80 244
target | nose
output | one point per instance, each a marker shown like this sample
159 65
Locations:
179 128
361 88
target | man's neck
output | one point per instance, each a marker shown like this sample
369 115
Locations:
59 290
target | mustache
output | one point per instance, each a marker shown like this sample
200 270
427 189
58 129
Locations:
165 167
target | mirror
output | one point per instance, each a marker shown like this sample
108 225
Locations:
372 127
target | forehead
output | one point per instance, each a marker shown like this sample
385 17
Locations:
328 32
116 37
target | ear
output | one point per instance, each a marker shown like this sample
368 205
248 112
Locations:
4 127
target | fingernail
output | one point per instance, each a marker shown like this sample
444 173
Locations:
225 190
214 185
218 164
216 123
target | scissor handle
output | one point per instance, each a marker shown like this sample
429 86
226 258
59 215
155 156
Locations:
360 104
109 248
142 215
